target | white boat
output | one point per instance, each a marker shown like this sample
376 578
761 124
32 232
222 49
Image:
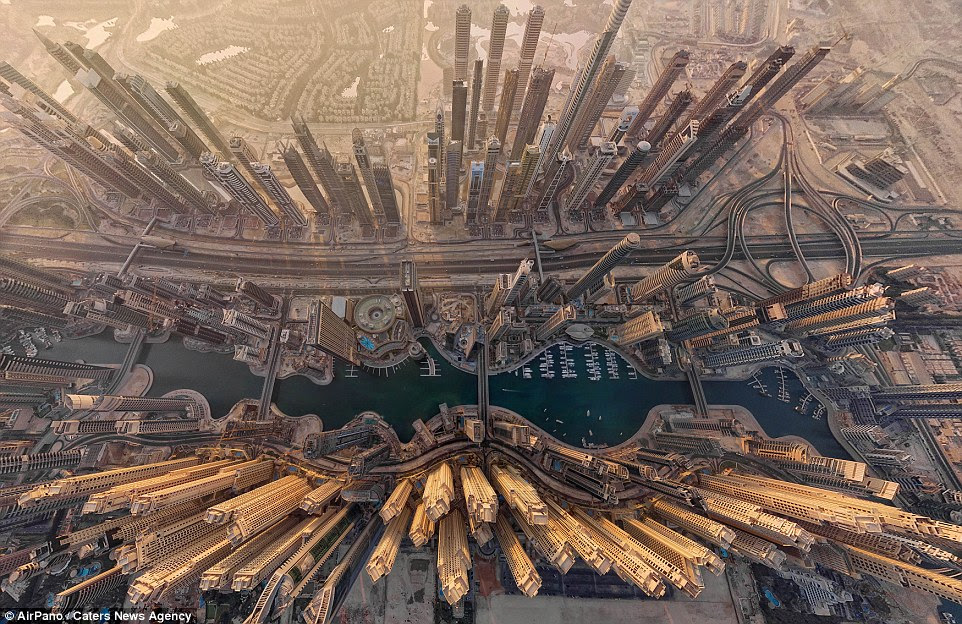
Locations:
591 433
559 421
588 414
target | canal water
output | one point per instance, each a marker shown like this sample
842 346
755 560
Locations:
604 403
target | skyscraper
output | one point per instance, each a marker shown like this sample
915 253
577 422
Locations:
384 183
508 92
697 324
605 264
513 191
436 202
627 167
551 188
752 354
529 45
12 76
239 189
499 23
367 173
459 102
462 41
160 169
577 96
475 178
477 76
658 91
355 196
304 180
667 121
328 331
716 94
608 78
672 152
439 130
108 91
589 177
279 194
324 166
638 329
533 109
452 176
684 266
487 181
411 292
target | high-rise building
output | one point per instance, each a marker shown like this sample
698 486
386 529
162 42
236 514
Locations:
328 331
698 324
305 181
589 177
518 493
439 130
517 178
422 527
594 276
24 370
324 166
240 190
487 179
174 180
367 173
475 176
477 77
717 93
586 77
625 120
290 209
752 354
60 53
32 294
658 91
462 42
385 553
672 152
109 403
627 167
609 76
529 45
411 292
522 570
436 203
679 104
479 497
438 492
452 174
508 92
866 309
565 316
638 329
454 557
359 205
100 82
197 115
9 74
384 185
459 103
534 102
499 24
684 266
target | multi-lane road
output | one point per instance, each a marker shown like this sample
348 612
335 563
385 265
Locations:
314 264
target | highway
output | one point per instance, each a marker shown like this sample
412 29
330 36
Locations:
310 266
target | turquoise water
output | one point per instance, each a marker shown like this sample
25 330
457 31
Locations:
403 395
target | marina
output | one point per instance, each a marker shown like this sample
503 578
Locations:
592 402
